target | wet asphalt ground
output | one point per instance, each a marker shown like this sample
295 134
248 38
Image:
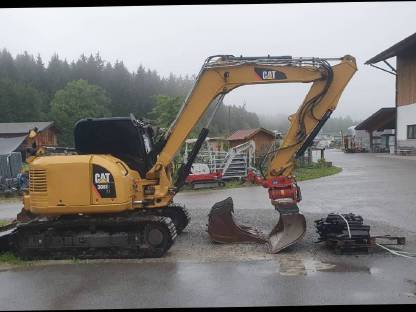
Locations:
199 273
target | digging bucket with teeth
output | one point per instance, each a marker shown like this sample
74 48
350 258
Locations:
290 228
222 227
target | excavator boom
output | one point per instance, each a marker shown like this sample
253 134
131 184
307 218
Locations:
224 73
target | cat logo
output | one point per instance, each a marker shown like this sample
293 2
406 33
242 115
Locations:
268 74
101 178
103 182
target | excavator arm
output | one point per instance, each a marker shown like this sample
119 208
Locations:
220 75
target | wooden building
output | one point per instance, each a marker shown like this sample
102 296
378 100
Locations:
14 136
405 72
262 138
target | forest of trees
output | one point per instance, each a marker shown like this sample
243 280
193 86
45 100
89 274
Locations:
91 87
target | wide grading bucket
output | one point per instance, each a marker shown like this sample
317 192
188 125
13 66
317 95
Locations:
222 227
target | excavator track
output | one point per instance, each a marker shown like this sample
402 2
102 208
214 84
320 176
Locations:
131 235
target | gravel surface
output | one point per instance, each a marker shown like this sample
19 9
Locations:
194 244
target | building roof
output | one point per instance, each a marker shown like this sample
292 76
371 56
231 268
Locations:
23 127
384 118
8 145
397 49
244 134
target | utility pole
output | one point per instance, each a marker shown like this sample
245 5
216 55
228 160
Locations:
229 118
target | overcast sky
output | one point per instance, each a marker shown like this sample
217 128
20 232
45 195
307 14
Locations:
177 39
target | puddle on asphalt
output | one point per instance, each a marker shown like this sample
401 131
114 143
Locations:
296 265
293 265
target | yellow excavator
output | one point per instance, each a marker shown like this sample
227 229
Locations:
114 199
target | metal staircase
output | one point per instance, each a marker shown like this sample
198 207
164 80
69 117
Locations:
238 159
232 164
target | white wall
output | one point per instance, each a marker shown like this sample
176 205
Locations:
406 115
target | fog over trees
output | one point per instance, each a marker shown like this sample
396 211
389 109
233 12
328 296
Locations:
333 126
65 91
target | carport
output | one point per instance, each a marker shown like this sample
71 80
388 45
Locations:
383 119
10 161
11 144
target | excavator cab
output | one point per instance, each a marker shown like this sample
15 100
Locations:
125 138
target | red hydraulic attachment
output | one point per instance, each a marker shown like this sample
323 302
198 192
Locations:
283 187
285 194
280 187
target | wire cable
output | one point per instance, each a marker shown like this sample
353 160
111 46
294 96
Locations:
346 221
405 254
396 253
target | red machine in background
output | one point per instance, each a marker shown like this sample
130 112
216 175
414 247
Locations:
201 177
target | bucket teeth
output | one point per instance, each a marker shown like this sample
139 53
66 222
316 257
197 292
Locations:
222 227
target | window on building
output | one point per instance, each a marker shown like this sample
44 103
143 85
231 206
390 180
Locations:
411 131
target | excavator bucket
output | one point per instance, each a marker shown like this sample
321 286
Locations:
290 228
222 227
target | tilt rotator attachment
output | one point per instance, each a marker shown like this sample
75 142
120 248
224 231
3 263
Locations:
291 227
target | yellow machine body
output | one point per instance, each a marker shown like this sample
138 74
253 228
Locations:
81 184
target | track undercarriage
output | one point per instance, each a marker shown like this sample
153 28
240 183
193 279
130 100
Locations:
140 234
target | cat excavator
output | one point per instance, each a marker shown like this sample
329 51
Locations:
114 198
